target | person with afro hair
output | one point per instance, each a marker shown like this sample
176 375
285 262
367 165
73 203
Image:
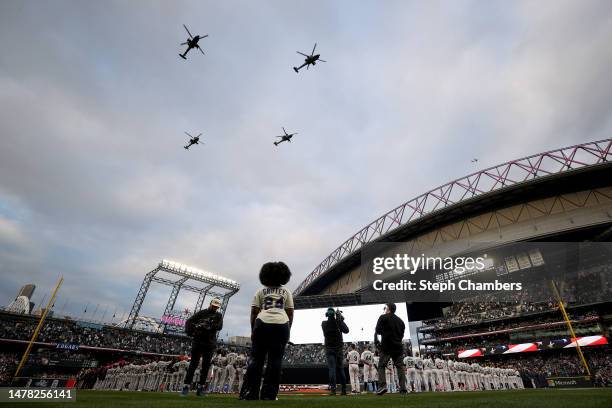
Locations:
271 319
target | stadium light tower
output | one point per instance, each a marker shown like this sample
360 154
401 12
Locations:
185 278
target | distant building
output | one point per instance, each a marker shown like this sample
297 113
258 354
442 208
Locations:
27 290
22 303
41 310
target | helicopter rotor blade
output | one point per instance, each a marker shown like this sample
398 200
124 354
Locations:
321 60
203 36
202 51
187 133
301 53
184 43
199 135
313 49
190 36
284 130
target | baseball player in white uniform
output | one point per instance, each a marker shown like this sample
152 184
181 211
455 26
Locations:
418 365
411 375
210 376
452 374
241 363
375 360
230 371
390 376
353 358
367 360
428 374
439 374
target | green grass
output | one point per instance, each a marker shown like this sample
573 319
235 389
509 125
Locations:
581 398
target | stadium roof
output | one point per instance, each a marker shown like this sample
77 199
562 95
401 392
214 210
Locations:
500 178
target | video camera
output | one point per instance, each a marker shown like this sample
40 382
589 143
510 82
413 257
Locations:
204 325
334 313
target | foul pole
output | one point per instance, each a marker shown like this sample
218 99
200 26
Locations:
43 316
569 326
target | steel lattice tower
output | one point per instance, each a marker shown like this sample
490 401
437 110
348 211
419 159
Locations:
208 284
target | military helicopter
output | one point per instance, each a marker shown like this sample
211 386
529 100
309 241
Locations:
192 42
310 59
193 141
284 138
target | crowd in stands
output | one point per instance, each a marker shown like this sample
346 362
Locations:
537 367
299 354
67 331
586 287
587 316
8 365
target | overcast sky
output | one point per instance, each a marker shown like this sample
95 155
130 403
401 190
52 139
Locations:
95 184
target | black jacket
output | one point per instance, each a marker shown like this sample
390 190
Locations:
332 331
203 326
391 328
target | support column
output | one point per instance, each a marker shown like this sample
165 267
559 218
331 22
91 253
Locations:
225 302
144 287
201 298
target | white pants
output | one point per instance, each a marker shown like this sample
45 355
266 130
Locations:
230 376
217 378
390 378
367 369
446 376
453 380
495 382
429 380
241 372
222 378
210 376
437 374
414 380
395 379
181 378
354 376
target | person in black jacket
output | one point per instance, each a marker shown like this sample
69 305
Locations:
391 328
333 328
203 327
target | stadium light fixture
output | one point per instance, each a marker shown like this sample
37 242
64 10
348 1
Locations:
198 273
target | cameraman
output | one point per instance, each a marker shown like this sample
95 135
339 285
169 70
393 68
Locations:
203 327
391 328
333 328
